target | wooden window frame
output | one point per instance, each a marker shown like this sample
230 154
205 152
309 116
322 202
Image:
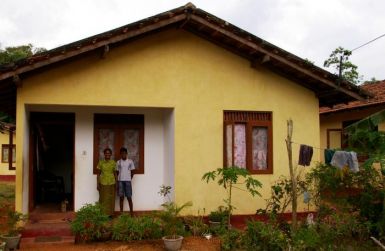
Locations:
250 119
3 155
119 122
328 132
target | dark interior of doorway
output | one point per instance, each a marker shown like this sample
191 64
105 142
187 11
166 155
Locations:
53 139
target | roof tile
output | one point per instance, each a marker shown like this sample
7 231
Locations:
378 91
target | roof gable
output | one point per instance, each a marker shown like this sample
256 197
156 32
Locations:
188 17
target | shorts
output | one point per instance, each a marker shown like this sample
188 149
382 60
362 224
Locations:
124 188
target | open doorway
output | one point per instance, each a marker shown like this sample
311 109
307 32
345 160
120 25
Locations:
52 162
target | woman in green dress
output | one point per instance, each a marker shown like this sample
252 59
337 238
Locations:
106 181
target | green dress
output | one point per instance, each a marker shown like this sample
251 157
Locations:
107 185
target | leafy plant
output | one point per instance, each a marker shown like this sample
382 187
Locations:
14 219
231 240
171 222
220 215
281 195
90 223
307 238
228 177
365 138
196 224
127 228
264 236
327 177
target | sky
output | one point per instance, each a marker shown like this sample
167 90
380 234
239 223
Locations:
310 29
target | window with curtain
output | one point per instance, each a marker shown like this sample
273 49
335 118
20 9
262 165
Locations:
248 141
119 130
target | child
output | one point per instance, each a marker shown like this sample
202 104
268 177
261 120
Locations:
124 167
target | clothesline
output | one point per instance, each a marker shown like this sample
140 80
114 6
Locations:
335 158
319 148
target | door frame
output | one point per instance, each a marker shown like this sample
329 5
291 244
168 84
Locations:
47 118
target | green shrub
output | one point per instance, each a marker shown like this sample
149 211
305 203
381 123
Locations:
281 195
343 225
218 230
264 236
231 239
220 215
307 238
90 223
195 224
13 220
172 224
127 228
332 231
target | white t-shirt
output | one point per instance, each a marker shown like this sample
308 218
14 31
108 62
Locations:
124 168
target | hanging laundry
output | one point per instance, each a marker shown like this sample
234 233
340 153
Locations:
305 155
353 162
328 153
342 158
306 197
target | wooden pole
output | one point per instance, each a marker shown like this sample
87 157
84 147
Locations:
292 174
378 242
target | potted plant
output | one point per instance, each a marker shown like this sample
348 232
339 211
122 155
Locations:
12 237
173 226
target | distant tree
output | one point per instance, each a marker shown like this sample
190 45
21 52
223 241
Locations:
12 54
371 81
308 61
339 58
4 119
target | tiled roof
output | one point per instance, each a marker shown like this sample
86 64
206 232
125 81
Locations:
189 18
378 91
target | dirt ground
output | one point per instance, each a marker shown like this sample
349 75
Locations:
189 244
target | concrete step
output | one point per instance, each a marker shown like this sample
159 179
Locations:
46 229
48 224
35 243
35 217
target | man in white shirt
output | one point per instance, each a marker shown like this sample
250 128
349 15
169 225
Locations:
123 168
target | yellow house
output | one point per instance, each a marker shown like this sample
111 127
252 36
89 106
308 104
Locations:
334 119
7 137
185 91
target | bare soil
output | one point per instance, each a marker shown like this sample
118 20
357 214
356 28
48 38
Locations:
189 244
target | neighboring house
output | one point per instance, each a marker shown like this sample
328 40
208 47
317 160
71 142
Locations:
185 91
334 119
7 171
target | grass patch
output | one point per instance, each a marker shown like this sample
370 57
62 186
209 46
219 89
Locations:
7 192
7 202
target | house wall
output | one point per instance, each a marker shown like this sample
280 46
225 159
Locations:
334 121
381 127
199 80
4 167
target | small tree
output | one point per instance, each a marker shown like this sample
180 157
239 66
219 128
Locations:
366 139
228 178
339 60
